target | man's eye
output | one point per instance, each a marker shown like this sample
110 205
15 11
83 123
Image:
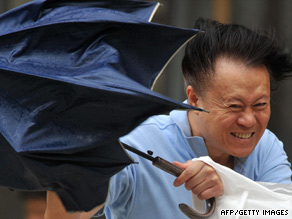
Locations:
259 105
234 106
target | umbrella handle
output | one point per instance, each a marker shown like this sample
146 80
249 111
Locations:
187 210
191 213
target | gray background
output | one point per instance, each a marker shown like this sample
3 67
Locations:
183 13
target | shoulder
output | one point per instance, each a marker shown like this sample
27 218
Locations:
269 135
268 147
160 121
161 135
155 128
269 141
269 162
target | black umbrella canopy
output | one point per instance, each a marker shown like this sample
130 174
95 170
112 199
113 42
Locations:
74 77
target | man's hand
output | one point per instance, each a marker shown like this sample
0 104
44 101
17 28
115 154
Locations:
200 178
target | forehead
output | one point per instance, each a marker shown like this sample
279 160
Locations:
234 79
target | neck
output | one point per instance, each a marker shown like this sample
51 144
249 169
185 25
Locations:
227 161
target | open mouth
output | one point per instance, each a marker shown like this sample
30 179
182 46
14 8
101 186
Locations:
242 135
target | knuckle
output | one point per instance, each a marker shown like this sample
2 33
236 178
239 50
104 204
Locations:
212 176
211 180
202 196
214 179
189 171
209 170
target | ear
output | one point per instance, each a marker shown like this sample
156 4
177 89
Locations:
192 96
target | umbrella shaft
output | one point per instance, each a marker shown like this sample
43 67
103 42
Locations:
167 166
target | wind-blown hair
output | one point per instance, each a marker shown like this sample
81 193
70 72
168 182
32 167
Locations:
237 43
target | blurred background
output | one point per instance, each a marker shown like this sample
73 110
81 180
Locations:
183 13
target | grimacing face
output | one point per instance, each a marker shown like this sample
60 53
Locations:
239 103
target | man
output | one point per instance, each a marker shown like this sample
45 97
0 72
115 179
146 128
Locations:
227 70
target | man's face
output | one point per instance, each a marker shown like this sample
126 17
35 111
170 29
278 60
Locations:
239 103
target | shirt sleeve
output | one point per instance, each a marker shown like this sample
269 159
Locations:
120 193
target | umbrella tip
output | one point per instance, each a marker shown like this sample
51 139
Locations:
203 110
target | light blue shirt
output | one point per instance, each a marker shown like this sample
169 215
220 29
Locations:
144 191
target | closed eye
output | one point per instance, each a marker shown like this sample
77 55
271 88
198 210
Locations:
261 106
235 107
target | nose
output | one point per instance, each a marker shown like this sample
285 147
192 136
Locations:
247 118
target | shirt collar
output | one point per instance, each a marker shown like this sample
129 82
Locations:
196 143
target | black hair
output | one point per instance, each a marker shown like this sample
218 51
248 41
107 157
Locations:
253 48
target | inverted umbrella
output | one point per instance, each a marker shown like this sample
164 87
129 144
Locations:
74 77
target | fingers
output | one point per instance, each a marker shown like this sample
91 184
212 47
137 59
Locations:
182 165
190 170
200 178
206 184
211 192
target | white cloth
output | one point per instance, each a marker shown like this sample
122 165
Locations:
245 198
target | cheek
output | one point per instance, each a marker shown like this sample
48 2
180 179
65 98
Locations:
223 118
217 122
264 117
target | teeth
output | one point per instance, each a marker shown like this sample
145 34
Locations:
243 136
